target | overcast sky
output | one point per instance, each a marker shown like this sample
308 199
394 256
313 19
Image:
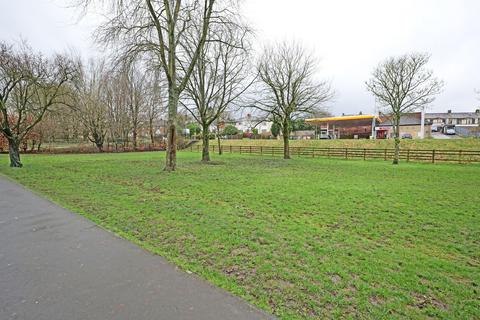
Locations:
350 37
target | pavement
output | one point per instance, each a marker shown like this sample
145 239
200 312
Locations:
58 265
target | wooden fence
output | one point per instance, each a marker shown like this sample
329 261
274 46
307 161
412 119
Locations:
408 155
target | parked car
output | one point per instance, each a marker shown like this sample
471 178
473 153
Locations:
435 129
450 131
407 136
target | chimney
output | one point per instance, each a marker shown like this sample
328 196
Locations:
360 113
477 111
449 111
343 114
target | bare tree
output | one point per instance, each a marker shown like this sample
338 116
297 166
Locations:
155 104
134 88
402 85
91 100
289 88
30 85
220 77
156 29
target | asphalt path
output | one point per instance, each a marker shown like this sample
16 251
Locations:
58 265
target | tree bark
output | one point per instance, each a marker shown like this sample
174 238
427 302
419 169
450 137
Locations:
134 138
150 129
14 152
396 157
206 144
286 144
220 149
99 146
219 141
171 156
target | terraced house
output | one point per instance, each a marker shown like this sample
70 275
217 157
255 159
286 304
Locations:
465 123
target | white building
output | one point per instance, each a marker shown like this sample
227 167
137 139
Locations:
249 123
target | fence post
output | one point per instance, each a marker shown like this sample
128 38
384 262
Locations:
408 155
460 153
385 155
213 148
230 149
433 156
364 154
346 153
261 150
250 149
328 153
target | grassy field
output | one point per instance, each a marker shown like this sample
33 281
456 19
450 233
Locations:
449 144
306 238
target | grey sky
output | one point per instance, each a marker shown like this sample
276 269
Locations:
349 36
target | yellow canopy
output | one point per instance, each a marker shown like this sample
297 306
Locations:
345 118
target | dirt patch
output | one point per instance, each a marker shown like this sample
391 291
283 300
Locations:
423 301
238 273
376 300
335 278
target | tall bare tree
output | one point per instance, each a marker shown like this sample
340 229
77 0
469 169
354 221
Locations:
155 103
156 29
91 100
220 77
402 85
289 88
134 84
30 85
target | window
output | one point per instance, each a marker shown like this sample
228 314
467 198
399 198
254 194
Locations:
466 121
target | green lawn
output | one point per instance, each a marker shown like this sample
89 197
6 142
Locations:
429 144
305 238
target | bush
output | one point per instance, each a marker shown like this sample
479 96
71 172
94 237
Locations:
230 130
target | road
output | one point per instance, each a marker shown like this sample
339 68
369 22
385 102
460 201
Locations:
58 265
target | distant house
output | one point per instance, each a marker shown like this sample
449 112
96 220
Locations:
249 123
465 123
462 119
410 124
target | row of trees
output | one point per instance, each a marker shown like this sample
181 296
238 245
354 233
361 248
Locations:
203 50
62 96
190 54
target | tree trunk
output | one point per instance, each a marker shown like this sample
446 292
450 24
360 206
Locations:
396 157
206 144
219 141
134 138
99 145
150 129
14 152
171 156
286 144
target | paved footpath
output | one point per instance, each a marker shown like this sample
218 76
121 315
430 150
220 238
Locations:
55 265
